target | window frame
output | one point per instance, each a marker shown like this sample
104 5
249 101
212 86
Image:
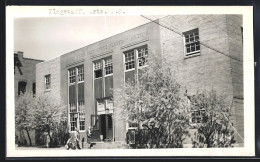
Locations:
195 41
80 70
72 77
47 81
97 68
144 56
200 116
108 65
134 64
76 73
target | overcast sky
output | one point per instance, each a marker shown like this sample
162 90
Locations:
47 38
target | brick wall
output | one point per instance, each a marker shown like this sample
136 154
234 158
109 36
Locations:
51 67
210 69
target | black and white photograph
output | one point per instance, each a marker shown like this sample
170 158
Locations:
130 81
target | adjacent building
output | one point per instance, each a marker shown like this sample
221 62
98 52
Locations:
196 45
24 82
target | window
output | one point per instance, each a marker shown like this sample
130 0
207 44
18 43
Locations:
73 116
242 33
108 66
129 60
72 76
81 74
192 44
21 87
98 69
142 56
76 104
48 81
34 89
198 116
81 115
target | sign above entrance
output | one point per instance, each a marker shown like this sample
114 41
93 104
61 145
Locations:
105 107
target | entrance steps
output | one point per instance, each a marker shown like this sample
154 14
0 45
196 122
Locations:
106 145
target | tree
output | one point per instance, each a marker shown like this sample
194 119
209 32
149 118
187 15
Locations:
23 108
215 129
49 115
155 102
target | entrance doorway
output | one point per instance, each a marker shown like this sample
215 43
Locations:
106 126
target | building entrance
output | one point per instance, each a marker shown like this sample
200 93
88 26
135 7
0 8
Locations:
106 125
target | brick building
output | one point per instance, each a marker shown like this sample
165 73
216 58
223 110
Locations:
24 82
194 44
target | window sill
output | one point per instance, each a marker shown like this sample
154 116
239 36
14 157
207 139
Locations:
194 54
81 82
108 75
141 67
47 90
130 70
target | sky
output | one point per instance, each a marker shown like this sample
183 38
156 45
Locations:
49 37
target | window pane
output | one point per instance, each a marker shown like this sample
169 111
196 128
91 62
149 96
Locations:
129 60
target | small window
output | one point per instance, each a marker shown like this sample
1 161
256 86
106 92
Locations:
129 60
142 56
47 82
98 69
242 33
108 66
34 89
192 43
198 116
72 76
81 73
21 87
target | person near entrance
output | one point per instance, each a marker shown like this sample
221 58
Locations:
89 134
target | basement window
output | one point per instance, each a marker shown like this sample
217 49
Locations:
192 43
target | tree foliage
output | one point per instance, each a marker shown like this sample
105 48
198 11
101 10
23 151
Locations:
216 129
49 115
23 115
155 102
43 114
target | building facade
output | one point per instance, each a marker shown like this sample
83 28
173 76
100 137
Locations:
83 79
24 82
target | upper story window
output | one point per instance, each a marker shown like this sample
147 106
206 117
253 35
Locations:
130 60
98 69
192 43
72 75
142 56
48 81
139 55
108 66
81 73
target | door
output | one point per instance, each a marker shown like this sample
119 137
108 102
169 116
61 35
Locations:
103 125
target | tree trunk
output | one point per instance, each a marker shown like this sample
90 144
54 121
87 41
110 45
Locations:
29 137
